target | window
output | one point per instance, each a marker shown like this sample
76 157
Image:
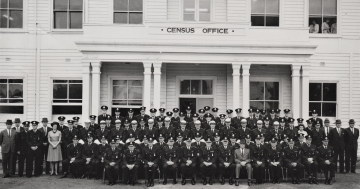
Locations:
67 97
11 12
264 95
322 97
265 12
323 16
196 87
128 11
68 14
197 10
11 96
127 92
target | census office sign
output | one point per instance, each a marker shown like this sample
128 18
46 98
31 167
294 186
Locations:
197 31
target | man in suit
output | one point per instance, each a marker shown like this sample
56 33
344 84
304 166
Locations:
45 130
242 159
326 127
337 141
8 138
352 136
35 141
22 147
326 160
18 129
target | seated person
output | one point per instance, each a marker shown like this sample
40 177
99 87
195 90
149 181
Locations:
242 160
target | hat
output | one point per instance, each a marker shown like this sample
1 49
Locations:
142 108
17 120
232 136
61 118
308 121
108 117
153 110
291 140
258 137
26 123
273 140
102 122
112 141
242 141
207 108
179 135
54 123
225 139
89 135
266 118
195 115
76 118
126 122
197 135
351 121
150 121
117 110
215 109
145 137
117 121
171 139
130 110
238 110
291 120
212 122
222 116
207 115
161 136
188 108
151 140
201 111
169 114
277 111
75 137
259 121
183 122
87 121
276 123
272 111
325 139
134 122
181 114
301 135
227 120
229 111
131 144
326 120
70 121
103 138
92 117
314 112
308 137
142 120
300 120
282 120
338 121
263 111
176 110
161 110
160 119
9 122
247 137
167 119
250 110
257 111
131 135
104 107
197 122
216 135
287 111
188 140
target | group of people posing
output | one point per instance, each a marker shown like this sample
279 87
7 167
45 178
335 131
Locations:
182 143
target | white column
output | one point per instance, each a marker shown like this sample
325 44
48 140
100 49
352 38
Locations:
157 84
295 91
236 85
147 86
86 90
305 92
96 71
246 89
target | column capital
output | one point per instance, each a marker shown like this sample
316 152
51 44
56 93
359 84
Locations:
236 65
147 64
96 64
245 66
295 70
157 64
85 67
305 71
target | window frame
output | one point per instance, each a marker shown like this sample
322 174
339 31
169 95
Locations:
267 80
25 21
67 30
110 94
281 15
196 12
128 24
336 102
321 35
24 103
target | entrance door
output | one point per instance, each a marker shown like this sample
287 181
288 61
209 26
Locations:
185 102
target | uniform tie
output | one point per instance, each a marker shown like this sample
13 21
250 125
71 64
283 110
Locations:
9 133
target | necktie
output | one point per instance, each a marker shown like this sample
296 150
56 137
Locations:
9 133
208 148
338 130
291 148
327 131
242 152
352 130
212 130
113 149
131 152
325 147
45 130
276 131
102 130
188 148
188 115
258 146
273 148
70 130
150 148
170 147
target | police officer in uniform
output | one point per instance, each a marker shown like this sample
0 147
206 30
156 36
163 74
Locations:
101 155
150 157
236 121
274 160
74 159
208 158
117 116
226 162
170 160
317 135
112 161
90 155
292 155
216 118
326 160
22 147
94 126
188 160
34 139
131 161
316 119
310 160
104 115
258 155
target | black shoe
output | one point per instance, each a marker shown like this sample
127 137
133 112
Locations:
174 181
193 181
273 181
205 181
249 182
237 183
83 176
64 176
108 183
330 181
183 182
148 183
315 181
165 182
353 171
231 181
222 181
133 183
310 180
112 184
5 176
326 181
278 181
152 182
298 182
293 181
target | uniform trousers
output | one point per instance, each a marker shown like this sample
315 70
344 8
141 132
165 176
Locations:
126 172
191 171
339 155
33 155
91 167
111 172
350 159
258 171
328 168
167 168
223 170
208 170
275 171
311 168
153 169
21 160
76 167
295 171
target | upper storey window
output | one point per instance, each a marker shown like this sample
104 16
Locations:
68 14
265 12
197 10
323 16
128 11
11 12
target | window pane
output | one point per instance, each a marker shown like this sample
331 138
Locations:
119 82
75 91
185 87
60 101
207 87
272 20
15 81
195 87
75 81
271 90
60 81
330 7
121 18
189 10
135 18
75 20
315 7
16 4
3 80
329 109
121 5
61 5
119 92
204 10
315 106
315 24
60 91
257 20
3 18
272 6
16 19
16 101
135 83
12 109
135 93
66 110
135 102
256 90
135 5
119 102
315 92
189 17
76 5
204 17
257 6
4 4
269 105
15 90
256 104
60 20
3 91
329 92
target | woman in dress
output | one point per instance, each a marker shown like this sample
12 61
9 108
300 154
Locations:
54 153
301 130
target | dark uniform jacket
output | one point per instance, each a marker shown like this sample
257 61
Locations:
95 126
227 132
90 151
188 154
210 134
241 133
258 154
317 137
167 132
225 155
175 122
115 117
117 132
208 155
131 158
152 155
274 155
61 128
314 121
172 154
291 133
153 133
34 138
102 150
84 133
336 140
184 133
325 154
102 117
293 155
309 152
106 134
74 151
197 147
112 156
21 143
256 132
236 122
194 131
351 139
68 136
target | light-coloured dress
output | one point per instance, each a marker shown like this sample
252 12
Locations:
54 154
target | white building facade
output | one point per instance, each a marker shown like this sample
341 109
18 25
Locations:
70 57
